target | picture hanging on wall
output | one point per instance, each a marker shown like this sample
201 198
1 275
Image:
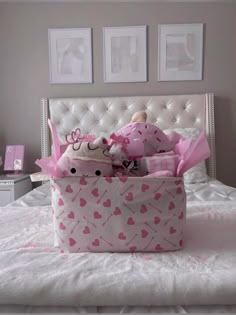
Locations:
180 52
70 55
14 157
124 54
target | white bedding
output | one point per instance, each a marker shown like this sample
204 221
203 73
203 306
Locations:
33 272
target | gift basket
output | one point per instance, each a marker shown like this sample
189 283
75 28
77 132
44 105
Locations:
122 193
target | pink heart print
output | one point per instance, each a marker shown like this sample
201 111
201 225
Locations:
62 226
181 216
72 242
157 196
144 233
171 205
60 202
130 221
179 190
121 236
71 215
158 247
82 202
95 192
83 181
150 223
95 242
143 209
117 211
123 179
178 182
132 249
69 189
107 203
86 230
172 230
108 179
129 196
157 220
145 187
97 215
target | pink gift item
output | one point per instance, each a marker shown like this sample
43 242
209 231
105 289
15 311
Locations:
144 139
160 163
118 214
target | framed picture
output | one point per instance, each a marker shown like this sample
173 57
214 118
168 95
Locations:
180 50
14 158
70 55
125 54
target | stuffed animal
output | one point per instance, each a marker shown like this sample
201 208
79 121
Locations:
84 155
85 159
139 138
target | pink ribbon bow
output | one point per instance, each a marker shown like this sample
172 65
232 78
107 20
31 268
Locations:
123 141
75 137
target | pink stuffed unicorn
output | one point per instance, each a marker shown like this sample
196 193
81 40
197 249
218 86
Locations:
139 138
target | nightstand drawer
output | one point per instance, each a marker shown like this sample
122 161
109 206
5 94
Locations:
5 197
13 187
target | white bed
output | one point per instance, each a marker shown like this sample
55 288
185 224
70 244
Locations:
35 277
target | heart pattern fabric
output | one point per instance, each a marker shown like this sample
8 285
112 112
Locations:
118 214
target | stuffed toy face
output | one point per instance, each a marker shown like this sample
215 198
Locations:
75 167
85 159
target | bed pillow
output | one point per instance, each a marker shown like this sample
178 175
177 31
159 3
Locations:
198 173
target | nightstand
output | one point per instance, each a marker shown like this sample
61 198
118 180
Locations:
13 187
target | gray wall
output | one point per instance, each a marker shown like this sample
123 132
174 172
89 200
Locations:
24 71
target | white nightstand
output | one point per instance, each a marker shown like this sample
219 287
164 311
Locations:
13 187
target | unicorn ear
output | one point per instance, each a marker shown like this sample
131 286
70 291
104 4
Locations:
101 142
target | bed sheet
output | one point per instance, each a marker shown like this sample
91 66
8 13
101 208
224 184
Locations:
210 204
215 309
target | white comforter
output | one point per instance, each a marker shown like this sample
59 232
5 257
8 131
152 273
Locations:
33 272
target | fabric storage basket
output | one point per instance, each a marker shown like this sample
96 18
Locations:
118 214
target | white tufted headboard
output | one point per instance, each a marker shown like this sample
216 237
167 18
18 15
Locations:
102 115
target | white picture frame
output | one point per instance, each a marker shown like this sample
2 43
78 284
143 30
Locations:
180 52
125 54
70 55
